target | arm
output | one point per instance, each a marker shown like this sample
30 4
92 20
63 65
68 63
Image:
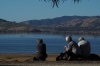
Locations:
66 48
69 48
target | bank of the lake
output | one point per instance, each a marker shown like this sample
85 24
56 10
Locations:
25 57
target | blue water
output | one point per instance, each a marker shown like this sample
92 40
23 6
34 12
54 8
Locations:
26 43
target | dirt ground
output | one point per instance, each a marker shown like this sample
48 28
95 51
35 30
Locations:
23 57
21 60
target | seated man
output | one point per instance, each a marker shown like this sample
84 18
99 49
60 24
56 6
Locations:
84 47
72 51
41 54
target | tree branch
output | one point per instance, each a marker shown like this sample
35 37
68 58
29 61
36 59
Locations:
56 2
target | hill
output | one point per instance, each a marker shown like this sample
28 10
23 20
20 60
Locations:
68 23
88 24
8 26
74 24
54 21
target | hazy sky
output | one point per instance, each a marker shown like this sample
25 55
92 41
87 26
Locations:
22 10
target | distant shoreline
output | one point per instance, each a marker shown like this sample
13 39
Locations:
55 32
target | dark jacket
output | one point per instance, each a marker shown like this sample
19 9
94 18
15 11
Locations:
41 51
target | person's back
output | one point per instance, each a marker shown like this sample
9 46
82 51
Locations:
74 47
85 47
41 50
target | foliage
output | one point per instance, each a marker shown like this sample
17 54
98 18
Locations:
56 2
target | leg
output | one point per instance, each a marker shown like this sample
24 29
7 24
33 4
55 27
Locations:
70 55
60 57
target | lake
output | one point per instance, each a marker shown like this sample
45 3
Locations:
26 43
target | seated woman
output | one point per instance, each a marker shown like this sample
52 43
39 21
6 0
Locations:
41 54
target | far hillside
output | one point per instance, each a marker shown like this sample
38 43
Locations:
68 23
54 21
8 26
73 24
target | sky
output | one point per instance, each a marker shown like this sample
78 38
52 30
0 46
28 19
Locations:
23 10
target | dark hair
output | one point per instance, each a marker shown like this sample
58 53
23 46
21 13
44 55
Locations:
70 38
40 40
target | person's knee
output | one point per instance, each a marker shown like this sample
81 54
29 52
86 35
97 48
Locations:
35 59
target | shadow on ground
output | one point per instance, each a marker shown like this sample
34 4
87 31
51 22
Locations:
94 57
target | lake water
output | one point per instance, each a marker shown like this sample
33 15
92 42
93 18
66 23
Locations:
26 43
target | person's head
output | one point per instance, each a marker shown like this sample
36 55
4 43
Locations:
39 41
68 39
81 38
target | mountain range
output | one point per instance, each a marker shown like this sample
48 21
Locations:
54 21
67 21
64 23
8 26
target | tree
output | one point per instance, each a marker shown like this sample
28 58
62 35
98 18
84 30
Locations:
56 2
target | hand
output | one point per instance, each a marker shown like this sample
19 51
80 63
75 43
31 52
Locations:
66 48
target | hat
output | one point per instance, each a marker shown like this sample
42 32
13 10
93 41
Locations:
81 38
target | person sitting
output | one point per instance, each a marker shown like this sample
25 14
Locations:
41 54
72 51
84 47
